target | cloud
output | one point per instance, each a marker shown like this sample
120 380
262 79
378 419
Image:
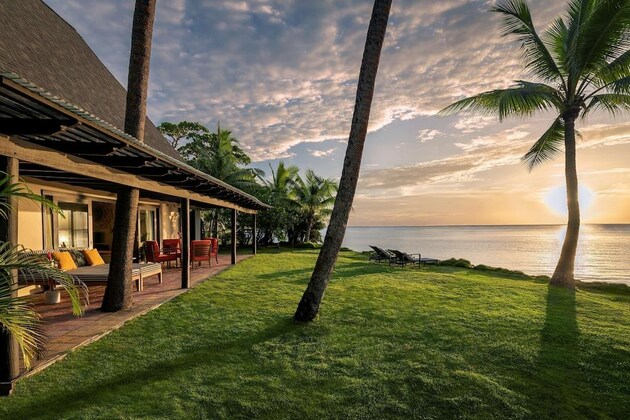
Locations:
426 134
322 153
472 123
282 73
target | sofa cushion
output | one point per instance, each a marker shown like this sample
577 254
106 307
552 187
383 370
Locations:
78 257
64 259
93 257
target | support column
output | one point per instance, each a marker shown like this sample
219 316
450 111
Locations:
233 236
9 350
195 225
254 234
185 204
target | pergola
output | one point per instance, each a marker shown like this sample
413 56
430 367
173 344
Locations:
48 139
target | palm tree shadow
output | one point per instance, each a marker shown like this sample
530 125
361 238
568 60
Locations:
557 370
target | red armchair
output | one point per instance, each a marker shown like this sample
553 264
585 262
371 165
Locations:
200 250
153 254
172 246
214 252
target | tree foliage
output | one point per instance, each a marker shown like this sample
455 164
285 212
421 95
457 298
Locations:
300 205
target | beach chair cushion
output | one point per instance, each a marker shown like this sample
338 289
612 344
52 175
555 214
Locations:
93 257
64 260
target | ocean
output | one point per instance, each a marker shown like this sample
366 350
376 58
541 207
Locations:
603 250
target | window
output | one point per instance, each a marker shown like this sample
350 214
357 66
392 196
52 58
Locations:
147 221
73 228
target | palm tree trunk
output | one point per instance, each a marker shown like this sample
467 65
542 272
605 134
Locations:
119 286
563 274
309 227
311 300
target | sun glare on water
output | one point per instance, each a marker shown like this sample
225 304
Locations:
556 199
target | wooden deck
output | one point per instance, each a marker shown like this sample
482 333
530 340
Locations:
66 332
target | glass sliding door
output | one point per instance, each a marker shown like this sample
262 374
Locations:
73 227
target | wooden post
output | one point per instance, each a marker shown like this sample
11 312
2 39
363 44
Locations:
195 225
233 236
9 351
185 204
254 234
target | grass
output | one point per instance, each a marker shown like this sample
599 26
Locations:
440 342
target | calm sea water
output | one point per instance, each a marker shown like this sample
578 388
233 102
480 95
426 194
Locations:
603 250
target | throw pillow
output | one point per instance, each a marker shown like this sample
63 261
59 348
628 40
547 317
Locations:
78 257
64 259
93 257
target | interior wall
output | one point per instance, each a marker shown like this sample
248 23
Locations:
30 224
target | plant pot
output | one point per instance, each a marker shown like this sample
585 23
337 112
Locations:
52 296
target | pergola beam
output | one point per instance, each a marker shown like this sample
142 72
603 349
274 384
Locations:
40 155
33 126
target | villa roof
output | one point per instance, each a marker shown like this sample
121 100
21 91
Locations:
41 47
55 92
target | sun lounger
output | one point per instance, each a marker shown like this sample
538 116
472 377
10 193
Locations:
379 254
402 259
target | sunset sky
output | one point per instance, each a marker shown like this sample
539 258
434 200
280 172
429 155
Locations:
282 76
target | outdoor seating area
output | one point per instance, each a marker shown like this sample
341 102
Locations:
65 332
399 258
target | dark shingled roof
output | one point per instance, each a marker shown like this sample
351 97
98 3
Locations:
40 46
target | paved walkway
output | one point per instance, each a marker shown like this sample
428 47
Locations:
66 332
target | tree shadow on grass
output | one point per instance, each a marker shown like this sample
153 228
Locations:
557 374
123 385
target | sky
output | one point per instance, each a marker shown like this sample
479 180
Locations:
281 75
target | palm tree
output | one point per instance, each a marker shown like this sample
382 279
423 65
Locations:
118 291
314 196
282 178
311 299
17 317
219 154
581 64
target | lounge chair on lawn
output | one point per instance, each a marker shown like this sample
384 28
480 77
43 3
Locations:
402 258
380 254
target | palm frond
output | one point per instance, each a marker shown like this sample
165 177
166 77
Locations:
16 315
547 146
616 70
613 103
18 318
555 38
12 187
517 21
578 13
603 34
523 99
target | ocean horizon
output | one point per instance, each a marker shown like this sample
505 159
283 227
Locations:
533 249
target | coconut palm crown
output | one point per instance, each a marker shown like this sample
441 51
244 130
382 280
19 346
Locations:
580 64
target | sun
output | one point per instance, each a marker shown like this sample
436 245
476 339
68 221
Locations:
556 199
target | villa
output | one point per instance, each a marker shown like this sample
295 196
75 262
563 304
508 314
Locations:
60 109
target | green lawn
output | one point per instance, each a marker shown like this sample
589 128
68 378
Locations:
389 342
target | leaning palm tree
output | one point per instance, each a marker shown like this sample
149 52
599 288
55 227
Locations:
18 319
118 291
311 299
580 64
314 196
